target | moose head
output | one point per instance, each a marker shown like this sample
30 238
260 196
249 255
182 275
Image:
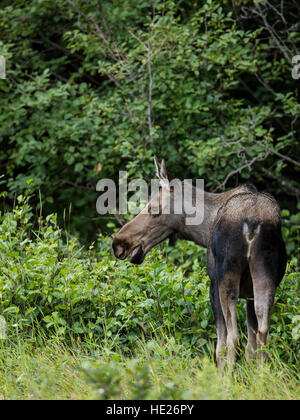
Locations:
156 222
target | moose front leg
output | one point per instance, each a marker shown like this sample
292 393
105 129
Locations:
229 293
220 327
252 329
221 344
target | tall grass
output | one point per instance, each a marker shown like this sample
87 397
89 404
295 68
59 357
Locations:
159 370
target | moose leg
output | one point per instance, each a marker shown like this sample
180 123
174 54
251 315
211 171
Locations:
264 294
263 303
220 326
252 329
229 293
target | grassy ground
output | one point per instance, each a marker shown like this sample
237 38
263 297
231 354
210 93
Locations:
157 370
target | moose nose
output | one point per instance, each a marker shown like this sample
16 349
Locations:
119 252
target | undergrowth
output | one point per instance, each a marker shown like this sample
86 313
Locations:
74 323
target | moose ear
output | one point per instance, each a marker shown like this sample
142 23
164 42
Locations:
161 172
157 166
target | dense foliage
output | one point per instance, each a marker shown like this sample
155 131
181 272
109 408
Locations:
94 87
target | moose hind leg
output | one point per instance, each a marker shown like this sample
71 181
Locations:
267 266
264 295
263 303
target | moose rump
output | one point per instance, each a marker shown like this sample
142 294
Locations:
247 259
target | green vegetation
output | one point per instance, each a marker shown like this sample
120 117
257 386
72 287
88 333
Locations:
78 322
95 87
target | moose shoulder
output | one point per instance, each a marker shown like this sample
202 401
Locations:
246 255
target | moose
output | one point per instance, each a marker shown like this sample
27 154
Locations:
246 255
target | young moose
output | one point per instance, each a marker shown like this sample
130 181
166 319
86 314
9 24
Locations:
246 255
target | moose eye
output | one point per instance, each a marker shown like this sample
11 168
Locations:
154 211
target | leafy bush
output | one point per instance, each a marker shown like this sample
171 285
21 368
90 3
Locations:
291 231
70 291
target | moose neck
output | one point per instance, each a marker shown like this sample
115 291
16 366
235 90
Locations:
200 234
